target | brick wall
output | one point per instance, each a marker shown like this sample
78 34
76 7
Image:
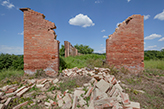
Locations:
70 50
41 49
125 47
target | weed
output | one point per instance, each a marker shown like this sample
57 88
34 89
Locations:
68 84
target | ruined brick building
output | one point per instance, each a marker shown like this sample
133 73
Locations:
70 50
41 49
125 47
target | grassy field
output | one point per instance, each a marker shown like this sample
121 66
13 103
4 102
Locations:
154 64
150 81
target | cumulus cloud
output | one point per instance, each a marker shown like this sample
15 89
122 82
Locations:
21 33
128 0
151 47
105 36
102 30
81 20
7 4
162 39
162 48
146 17
98 1
160 16
144 43
153 36
11 49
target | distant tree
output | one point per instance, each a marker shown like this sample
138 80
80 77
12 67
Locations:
84 49
11 61
62 51
153 54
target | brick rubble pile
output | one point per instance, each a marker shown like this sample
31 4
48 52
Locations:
102 91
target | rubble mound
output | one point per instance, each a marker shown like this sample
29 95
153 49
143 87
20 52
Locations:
103 91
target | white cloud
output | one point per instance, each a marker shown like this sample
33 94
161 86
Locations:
81 20
102 50
153 36
128 0
21 33
98 1
144 43
160 16
7 4
105 36
151 47
162 39
162 48
146 17
11 49
102 30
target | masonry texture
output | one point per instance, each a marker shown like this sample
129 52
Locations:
70 50
41 49
125 47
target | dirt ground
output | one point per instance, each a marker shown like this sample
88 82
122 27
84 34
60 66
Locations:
147 88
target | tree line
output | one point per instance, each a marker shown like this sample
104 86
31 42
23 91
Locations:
8 61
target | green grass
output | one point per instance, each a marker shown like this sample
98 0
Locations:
154 64
8 73
82 61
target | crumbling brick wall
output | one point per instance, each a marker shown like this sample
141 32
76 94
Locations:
70 50
125 47
41 49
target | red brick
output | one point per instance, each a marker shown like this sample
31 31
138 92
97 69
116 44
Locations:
125 47
41 49
70 50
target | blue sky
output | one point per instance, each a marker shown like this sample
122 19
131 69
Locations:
87 22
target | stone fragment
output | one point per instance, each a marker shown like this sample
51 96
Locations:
89 92
44 81
1 94
18 90
22 92
55 81
99 95
133 105
77 93
2 106
81 101
116 93
110 92
112 79
87 84
7 102
20 105
40 85
125 98
60 102
103 85
50 94
67 98
91 105
47 104
107 100
119 87
67 105
32 81
10 94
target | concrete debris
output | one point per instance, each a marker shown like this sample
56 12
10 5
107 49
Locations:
20 105
102 91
